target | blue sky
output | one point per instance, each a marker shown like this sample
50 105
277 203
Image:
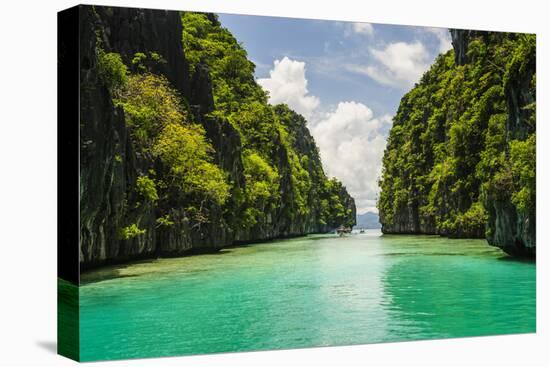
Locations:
347 80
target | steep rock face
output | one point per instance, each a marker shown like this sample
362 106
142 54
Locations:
460 159
108 164
111 162
511 230
349 206
130 31
460 39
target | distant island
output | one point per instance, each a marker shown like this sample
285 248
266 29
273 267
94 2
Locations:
368 220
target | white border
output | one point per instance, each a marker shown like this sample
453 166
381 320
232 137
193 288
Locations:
28 181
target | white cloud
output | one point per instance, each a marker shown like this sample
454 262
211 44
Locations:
443 36
350 138
287 83
351 141
363 28
357 28
398 64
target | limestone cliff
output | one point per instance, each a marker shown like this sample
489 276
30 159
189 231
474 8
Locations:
460 159
111 159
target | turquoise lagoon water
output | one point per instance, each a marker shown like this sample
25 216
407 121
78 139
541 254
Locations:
317 290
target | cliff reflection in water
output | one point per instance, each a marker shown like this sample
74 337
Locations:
452 288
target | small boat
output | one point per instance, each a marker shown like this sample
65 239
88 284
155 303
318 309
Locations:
342 231
362 230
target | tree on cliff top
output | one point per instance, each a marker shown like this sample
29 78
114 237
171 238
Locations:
268 133
450 153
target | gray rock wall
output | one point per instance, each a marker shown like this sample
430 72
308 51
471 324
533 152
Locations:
110 163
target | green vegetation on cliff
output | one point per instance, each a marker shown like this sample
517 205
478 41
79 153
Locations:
462 144
161 130
268 133
201 164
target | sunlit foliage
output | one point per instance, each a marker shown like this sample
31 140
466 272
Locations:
449 155
271 157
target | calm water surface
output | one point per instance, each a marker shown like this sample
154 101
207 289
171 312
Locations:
312 291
